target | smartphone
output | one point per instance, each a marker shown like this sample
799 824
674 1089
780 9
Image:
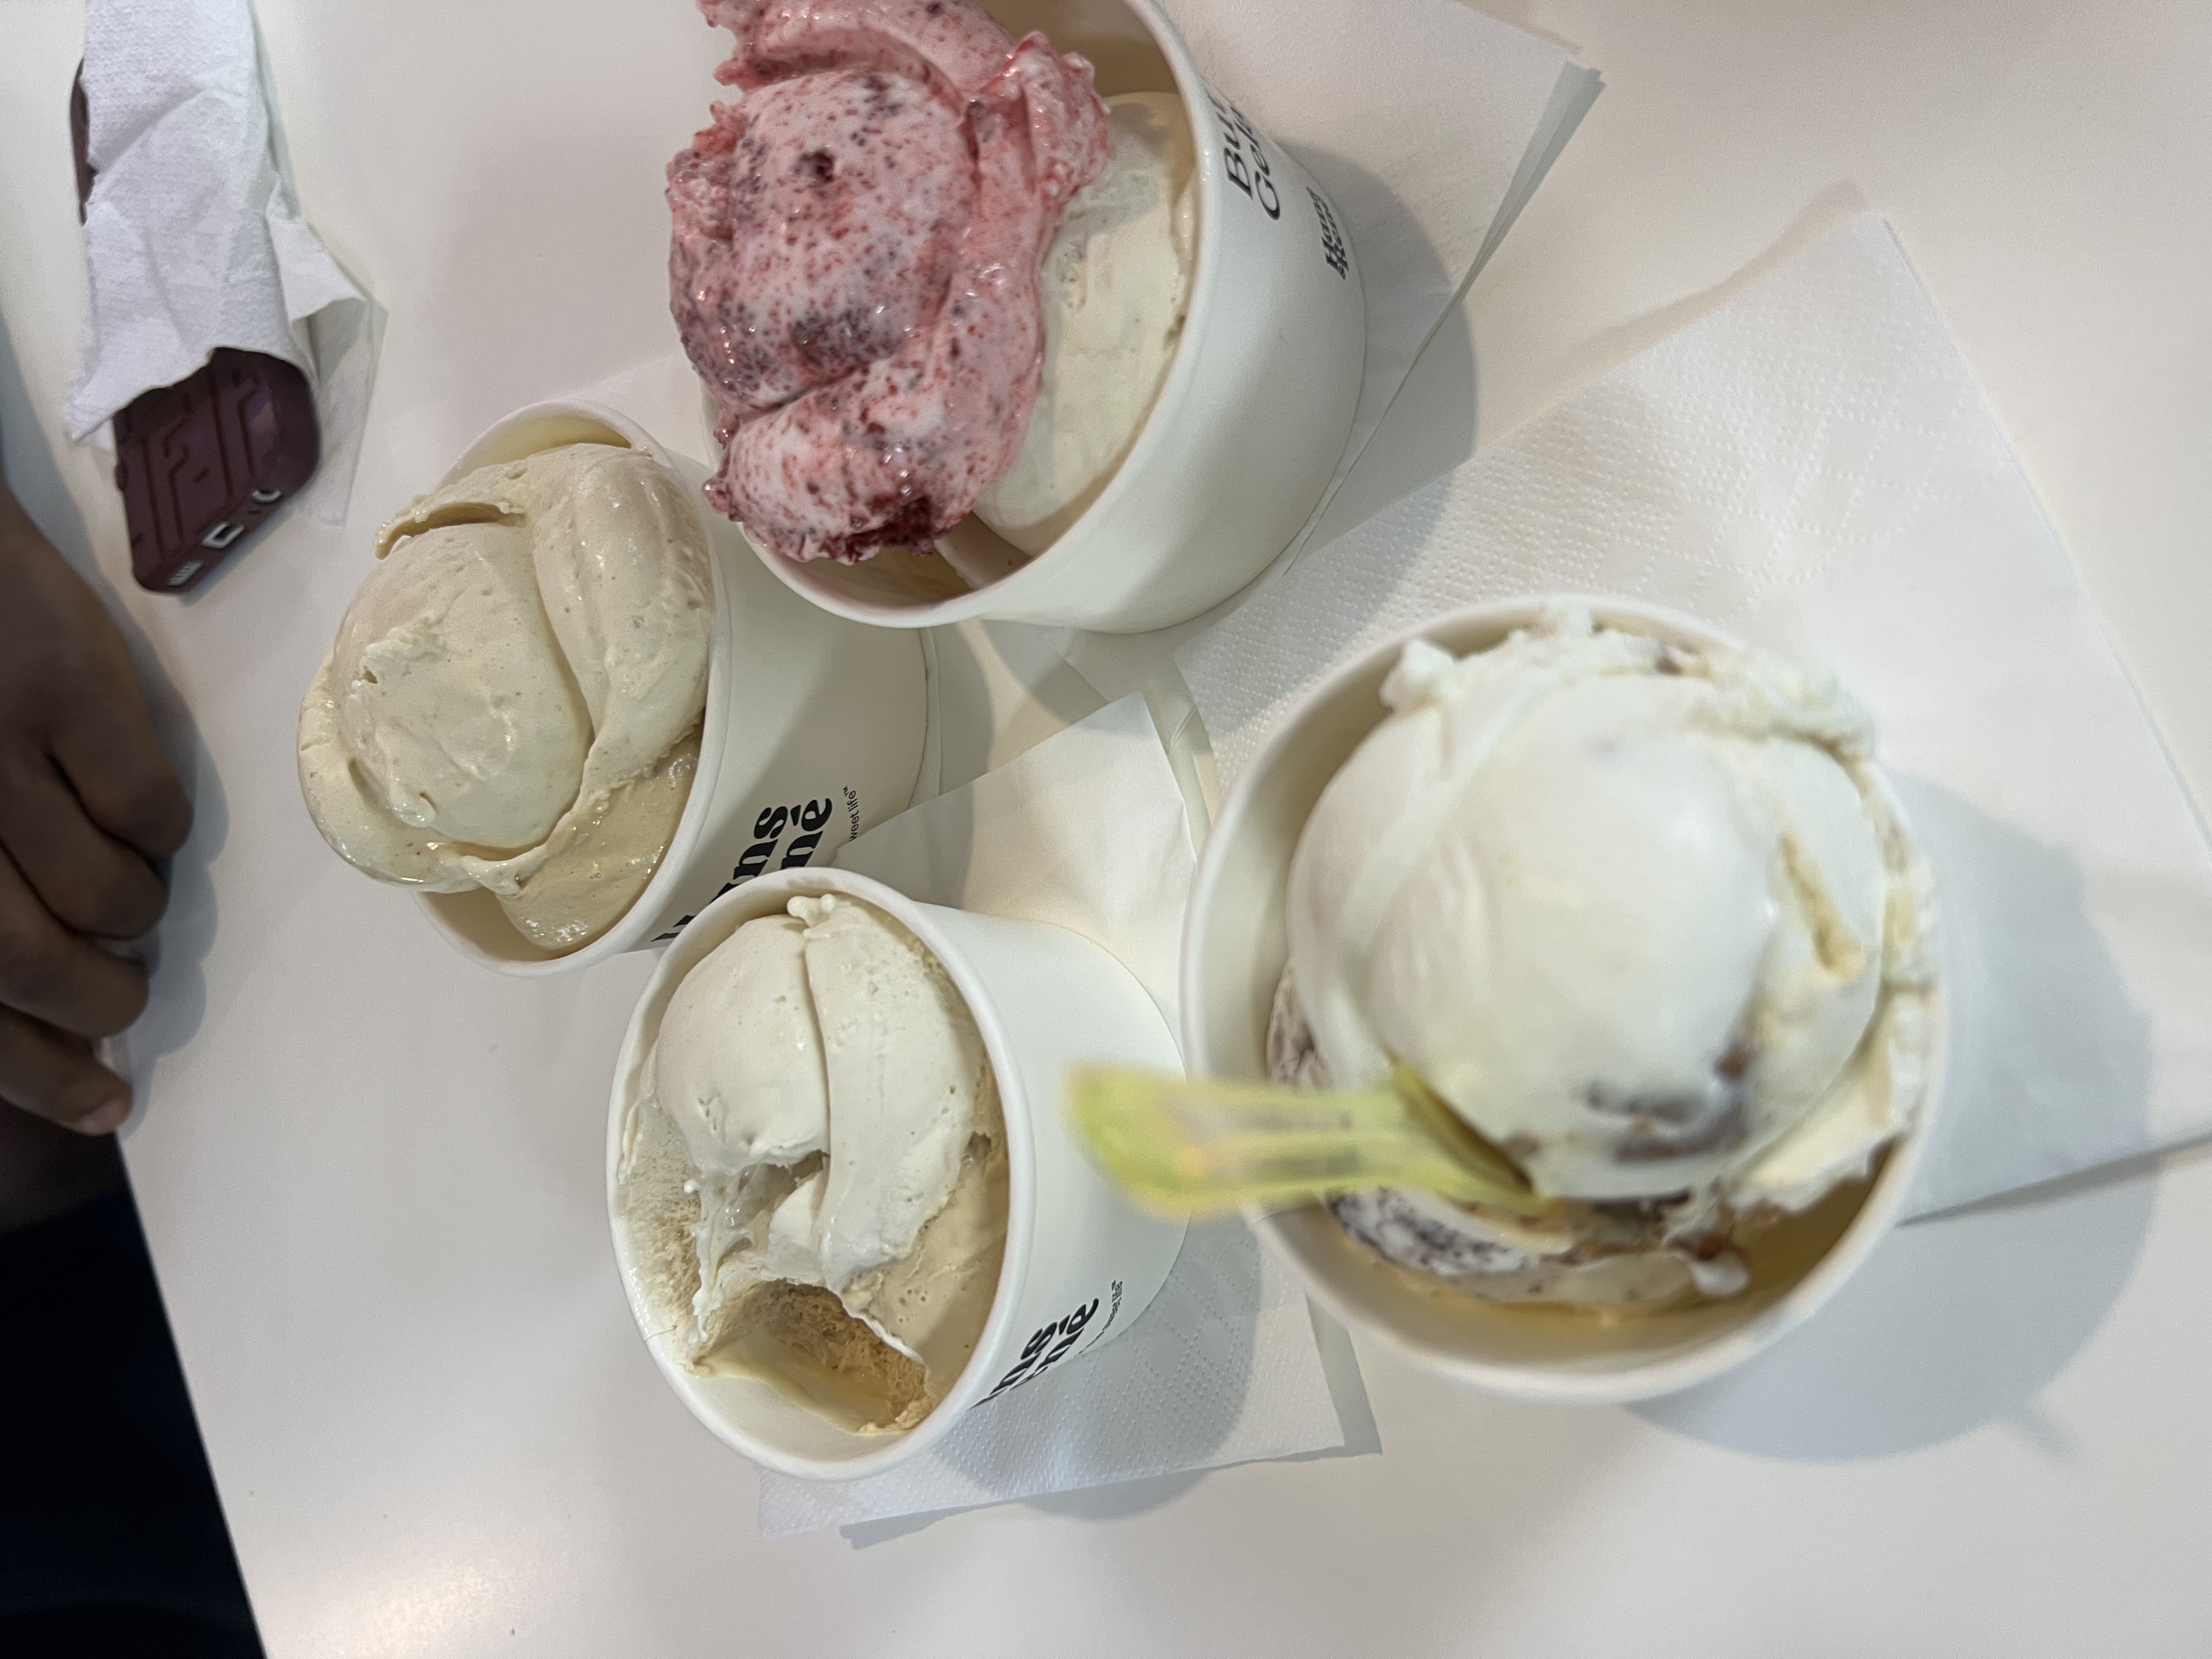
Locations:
202 462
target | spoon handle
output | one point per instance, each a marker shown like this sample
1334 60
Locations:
1196 1145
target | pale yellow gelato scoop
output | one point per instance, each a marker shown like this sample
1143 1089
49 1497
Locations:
823 1144
515 698
1117 286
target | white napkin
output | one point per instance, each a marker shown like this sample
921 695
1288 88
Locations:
1223 1368
1086 831
1813 466
1428 123
191 236
1431 126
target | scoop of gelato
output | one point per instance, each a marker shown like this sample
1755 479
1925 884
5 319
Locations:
1116 284
1639 913
515 698
854 263
843 1157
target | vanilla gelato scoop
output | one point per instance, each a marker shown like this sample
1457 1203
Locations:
1639 913
840 1136
515 698
1116 287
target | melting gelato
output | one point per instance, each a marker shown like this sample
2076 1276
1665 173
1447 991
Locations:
514 698
823 1135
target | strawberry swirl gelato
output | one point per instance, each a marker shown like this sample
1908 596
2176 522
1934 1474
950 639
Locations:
854 263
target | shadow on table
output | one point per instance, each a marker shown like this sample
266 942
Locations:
1952 1325
972 740
1091 1417
1171 1392
1114 1502
1404 453
1962 1321
187 931
1347 1392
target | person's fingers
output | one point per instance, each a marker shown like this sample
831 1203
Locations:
58 976
92 883
46 1071
108 751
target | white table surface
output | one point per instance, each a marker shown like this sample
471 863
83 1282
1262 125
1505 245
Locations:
372 1175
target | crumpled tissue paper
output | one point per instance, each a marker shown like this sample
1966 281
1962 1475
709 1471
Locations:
191 236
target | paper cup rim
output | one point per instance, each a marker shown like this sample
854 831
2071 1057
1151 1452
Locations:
1153 433
1541 1384
626 933
766 896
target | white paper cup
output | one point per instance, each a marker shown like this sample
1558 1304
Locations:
1250 421
813 732
1081 1262
1234 949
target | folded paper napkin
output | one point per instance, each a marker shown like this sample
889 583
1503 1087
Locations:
191 236
1812 466
1223 1368
1086 831
1476 112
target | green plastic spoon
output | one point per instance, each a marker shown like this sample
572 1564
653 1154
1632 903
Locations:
1195 1147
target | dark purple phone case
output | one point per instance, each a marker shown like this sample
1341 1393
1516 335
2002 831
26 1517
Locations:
202 462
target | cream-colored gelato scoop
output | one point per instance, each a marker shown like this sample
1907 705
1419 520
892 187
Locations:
458 709
514 696
841 1139
1116 287
1622 905
739 1066
1640 914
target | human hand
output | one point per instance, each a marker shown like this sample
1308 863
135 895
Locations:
88 807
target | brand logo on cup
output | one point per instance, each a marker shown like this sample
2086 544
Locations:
1051 1343
1243 157
1333 253
804 822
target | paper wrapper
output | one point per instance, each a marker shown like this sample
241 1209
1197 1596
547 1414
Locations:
191 236
1813 467
1478 112
1222 1369
1428 122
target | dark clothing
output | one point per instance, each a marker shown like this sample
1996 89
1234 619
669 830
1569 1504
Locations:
112 1541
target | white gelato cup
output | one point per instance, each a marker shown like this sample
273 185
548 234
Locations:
1081 1262
1249 423
813 733
1234 949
